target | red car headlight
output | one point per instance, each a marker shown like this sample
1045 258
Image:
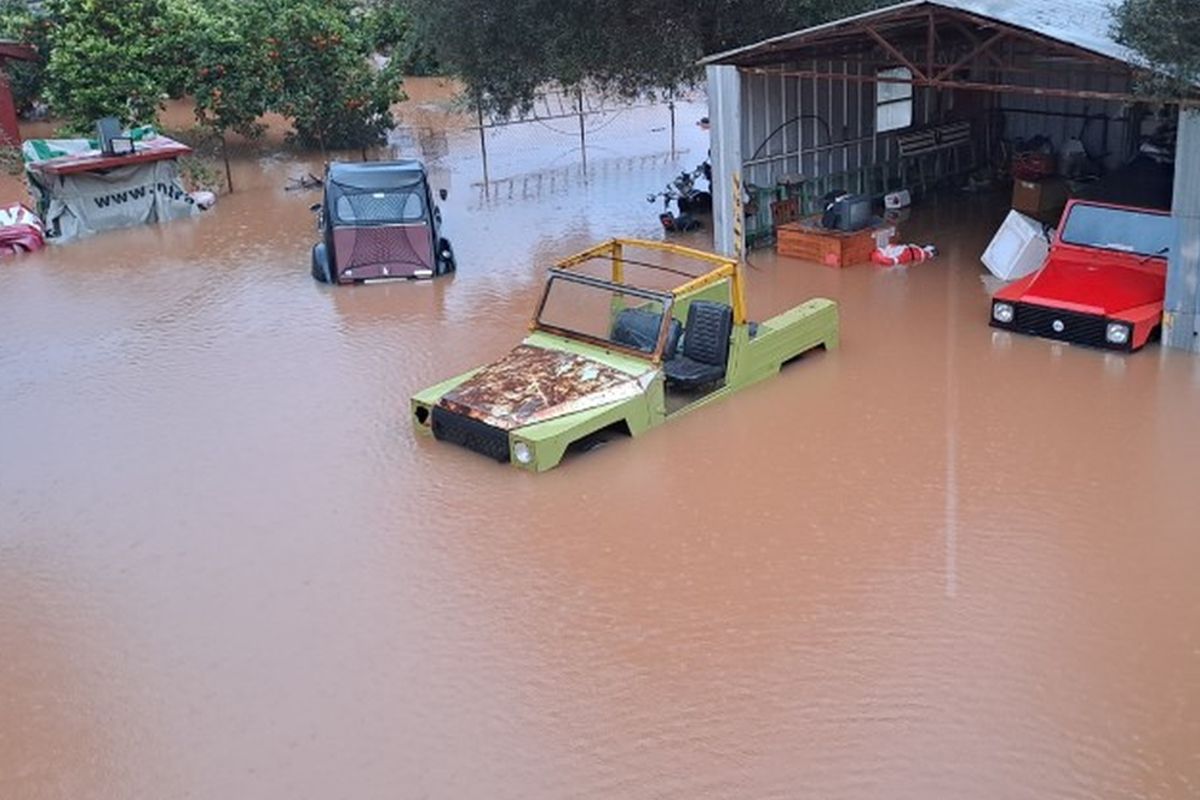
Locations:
1117 333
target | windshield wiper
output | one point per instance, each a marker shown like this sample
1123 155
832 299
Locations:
1161 252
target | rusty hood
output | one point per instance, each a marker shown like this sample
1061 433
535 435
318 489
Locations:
533 384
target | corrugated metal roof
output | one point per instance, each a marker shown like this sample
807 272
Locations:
1083 23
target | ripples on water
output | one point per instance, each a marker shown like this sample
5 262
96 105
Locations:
939 562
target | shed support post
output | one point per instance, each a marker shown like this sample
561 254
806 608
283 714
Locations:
9 126
1181 317
725 146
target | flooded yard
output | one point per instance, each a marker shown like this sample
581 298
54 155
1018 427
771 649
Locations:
941 561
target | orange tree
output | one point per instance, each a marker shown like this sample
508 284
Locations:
323 78
229 72
109 58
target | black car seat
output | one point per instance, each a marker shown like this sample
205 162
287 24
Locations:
705 346
639 328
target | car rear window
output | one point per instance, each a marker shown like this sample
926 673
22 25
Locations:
1121 229
380 207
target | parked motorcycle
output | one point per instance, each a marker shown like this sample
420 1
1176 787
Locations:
688 199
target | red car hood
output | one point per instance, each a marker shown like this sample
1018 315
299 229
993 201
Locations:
1082 284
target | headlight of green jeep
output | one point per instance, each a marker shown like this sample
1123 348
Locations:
523 453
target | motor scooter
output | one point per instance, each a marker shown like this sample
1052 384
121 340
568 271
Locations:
689 200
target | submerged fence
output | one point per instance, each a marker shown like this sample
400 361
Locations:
567 138
580 116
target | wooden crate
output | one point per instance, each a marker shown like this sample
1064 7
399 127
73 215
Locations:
807 240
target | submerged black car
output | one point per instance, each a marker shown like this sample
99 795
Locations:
379 221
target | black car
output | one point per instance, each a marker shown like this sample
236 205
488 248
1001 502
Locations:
379 221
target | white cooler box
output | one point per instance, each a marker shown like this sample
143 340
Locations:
1017 249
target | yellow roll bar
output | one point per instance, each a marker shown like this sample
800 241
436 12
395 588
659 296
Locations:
725 267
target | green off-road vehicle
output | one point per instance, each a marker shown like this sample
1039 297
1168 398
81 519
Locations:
605 354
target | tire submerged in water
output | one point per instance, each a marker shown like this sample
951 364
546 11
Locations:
320 264
446 262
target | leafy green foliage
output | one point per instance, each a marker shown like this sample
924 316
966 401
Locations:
20 24
393 32
505 52
309 60
109 58
228 68
1167 33
323 81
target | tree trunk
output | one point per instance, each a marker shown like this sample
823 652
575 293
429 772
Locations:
225 155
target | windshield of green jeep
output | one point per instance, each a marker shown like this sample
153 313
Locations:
603 313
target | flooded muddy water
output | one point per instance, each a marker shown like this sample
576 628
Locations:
938 562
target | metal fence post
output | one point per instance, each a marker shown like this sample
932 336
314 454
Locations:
483 145
582 135
671 109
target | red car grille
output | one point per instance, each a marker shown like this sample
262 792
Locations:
1066 326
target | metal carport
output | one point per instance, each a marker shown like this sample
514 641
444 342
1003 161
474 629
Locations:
809 103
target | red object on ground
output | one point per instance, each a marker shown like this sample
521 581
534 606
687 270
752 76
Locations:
20 230
1033 166
895 254
1106 270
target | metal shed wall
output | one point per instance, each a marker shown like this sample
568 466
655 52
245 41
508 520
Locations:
828 125
792 108
1181 320
1105 127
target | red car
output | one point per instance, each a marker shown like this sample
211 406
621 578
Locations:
1103 282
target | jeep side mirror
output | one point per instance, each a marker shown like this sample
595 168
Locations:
315 207
442 193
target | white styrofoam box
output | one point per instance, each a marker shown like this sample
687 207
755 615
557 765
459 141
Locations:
1018 248
899 199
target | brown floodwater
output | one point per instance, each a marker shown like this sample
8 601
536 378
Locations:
939 562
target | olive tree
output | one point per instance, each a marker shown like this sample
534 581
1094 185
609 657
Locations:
1167 33
504 52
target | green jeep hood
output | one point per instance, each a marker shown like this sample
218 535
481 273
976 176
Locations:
534 384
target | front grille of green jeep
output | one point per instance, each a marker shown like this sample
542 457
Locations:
470 433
